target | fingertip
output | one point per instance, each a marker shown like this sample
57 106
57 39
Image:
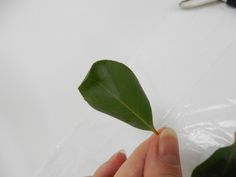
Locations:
110 167
122 152
169 149
133 166
163 155
120 156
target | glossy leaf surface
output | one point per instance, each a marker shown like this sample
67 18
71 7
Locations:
221 164
112 88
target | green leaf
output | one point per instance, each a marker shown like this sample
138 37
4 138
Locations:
112 88
221 164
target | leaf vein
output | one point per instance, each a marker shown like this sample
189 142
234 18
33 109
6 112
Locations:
124 104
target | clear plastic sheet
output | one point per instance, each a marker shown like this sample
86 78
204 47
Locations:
204 120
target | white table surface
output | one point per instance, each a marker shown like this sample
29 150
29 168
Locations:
185 61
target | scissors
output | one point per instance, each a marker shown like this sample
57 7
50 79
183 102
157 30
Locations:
187 4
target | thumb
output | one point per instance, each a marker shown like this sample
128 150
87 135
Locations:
162 159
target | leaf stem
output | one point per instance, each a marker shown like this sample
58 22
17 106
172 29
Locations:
155 132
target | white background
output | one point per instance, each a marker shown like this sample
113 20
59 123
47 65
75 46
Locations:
47 47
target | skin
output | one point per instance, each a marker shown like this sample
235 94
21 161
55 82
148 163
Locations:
158 156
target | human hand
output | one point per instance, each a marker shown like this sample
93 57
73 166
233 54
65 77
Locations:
158 156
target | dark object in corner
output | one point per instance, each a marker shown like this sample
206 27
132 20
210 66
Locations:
221 164
231 3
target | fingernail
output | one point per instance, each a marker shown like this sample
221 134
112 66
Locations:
168 148
120 152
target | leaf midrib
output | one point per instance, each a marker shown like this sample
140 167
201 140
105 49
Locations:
124 104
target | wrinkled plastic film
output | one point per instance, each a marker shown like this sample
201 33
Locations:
205 118
199 139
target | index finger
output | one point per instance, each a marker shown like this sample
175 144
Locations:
134 165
